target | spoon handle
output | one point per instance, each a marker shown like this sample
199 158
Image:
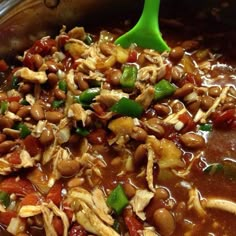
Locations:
150 14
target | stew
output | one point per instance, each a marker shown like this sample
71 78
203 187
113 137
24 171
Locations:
96 139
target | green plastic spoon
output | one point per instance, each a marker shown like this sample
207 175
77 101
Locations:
146 33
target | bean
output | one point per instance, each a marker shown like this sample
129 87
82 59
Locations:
129 190
54 116
25 88
6 146
206 102
176 53
193 107
24 111
113 76
116 161
59 94
230 99
75 182
190 45
38 60
5 122
139 134
154 126
228 106
14 107
2 138
3 96
180 211
192 140
162 110
83 85
177 106
184 91
177 73
47 136
140 155
52 66
37 112
214 91
164 221
68 167
161 193
52 79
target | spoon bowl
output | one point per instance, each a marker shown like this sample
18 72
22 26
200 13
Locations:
146 32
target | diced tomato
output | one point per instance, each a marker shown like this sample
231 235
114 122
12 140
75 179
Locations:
42 46
191 78
20 187
67 209
28 61
58 225
14 99
225 119
5 217
30 199
133 225
188 122
61 40
54 194
77 230
133 56
14 158
3 66
32 145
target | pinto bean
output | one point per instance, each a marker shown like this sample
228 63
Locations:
190 45
52 79
59 94
214 91
193 107
2 138
3 96
83 85
129 190
25 88
113 76
47 136
164 221
68 167
54 116
177 73
140 155
24 111
38 60
14 106
139 134
37 112
5 122
162 110
161 193
6 146
177 107
192 140
184 91
228 106
176 53
206 102
180 211
75 182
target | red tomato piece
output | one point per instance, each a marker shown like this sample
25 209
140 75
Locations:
14 99
133 56
30 199
5 217
225 119
61 40
77 230
58 225
133 225
20 187
3 66
54 194
42 46
14 158
32 145
188 122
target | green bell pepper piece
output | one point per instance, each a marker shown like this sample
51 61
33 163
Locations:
129 76
24 130
62 85
87 96
14 83
82 131
163 89
127 107
206 127
5 198
3 107
117 199
57 103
